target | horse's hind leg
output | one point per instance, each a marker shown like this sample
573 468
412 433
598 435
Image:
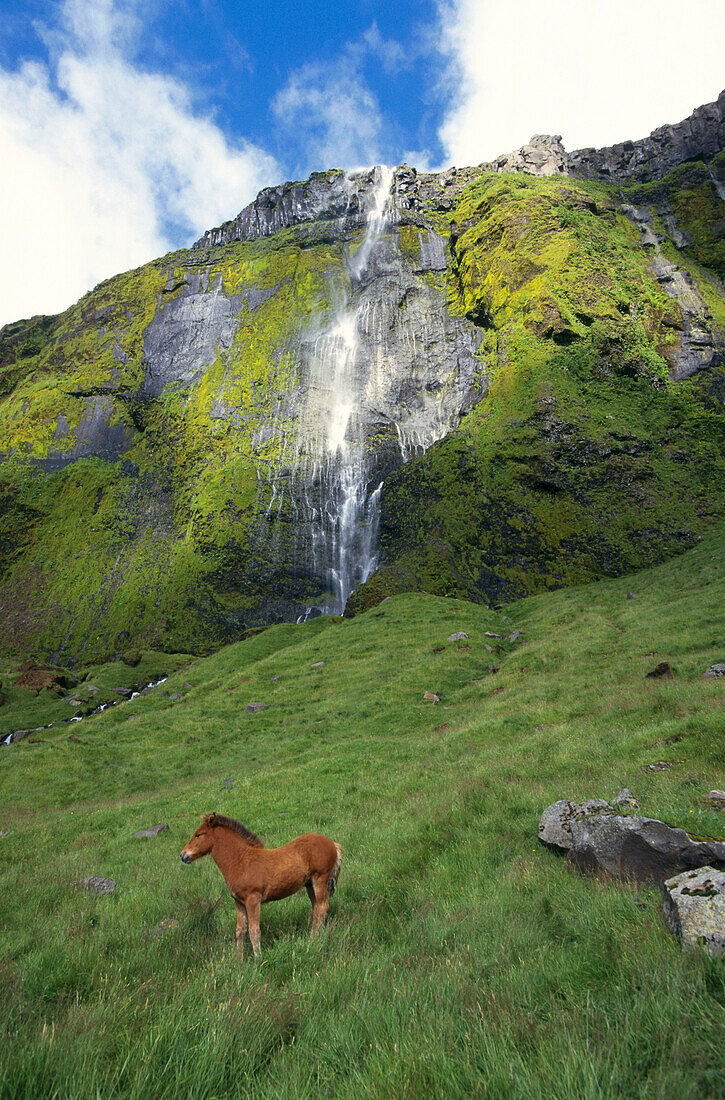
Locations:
252 905
317 891
241 927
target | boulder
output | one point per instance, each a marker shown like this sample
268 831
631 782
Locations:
660 671
514 637
18 735
642 848
254 708
626 801
153 831
460 636
490 634
714 671
716 800
694 909
555 823
98 885
318 664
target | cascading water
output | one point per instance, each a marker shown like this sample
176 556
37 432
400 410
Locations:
343 505
379 379
717 184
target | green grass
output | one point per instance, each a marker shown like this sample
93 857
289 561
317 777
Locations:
461 958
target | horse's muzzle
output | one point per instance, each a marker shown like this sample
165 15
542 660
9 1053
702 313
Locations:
185 858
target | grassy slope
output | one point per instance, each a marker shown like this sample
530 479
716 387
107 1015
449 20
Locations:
461 958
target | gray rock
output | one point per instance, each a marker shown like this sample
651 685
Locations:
556 820
254 708
694 909
460 636
97 885
318 664
716 799
490 634
625 800
642 848
714 671
488 647
175 697
19 735
515 636
152 832
543 155
125 693
699 137
188 333
273 679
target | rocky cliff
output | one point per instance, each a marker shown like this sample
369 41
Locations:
480 382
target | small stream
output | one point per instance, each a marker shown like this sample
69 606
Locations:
9 738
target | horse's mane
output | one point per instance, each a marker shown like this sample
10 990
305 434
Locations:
235 826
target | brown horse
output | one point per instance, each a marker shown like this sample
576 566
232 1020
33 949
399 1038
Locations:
255 874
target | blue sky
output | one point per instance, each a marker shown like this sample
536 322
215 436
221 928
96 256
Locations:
127 127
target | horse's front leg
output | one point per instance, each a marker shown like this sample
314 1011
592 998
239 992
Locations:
253 904
241 927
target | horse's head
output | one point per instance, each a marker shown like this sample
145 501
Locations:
202 840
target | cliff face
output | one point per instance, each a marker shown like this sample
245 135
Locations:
480 382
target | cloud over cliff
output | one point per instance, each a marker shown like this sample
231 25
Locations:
105 164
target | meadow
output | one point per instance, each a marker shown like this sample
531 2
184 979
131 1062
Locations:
461 958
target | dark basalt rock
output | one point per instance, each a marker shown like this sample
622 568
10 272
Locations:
639 847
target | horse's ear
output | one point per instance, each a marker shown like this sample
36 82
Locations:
210 820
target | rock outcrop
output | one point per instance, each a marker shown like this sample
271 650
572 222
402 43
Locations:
694 909
479 382
598 837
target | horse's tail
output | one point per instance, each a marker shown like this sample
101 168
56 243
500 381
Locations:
332 880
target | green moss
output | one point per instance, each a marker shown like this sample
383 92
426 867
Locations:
583 459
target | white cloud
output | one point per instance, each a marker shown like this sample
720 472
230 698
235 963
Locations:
102 162
328 111
331 114
595 72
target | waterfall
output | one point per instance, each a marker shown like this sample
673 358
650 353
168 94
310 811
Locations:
381 376
717 184
341 502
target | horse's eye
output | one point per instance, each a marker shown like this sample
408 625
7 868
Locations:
196 835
